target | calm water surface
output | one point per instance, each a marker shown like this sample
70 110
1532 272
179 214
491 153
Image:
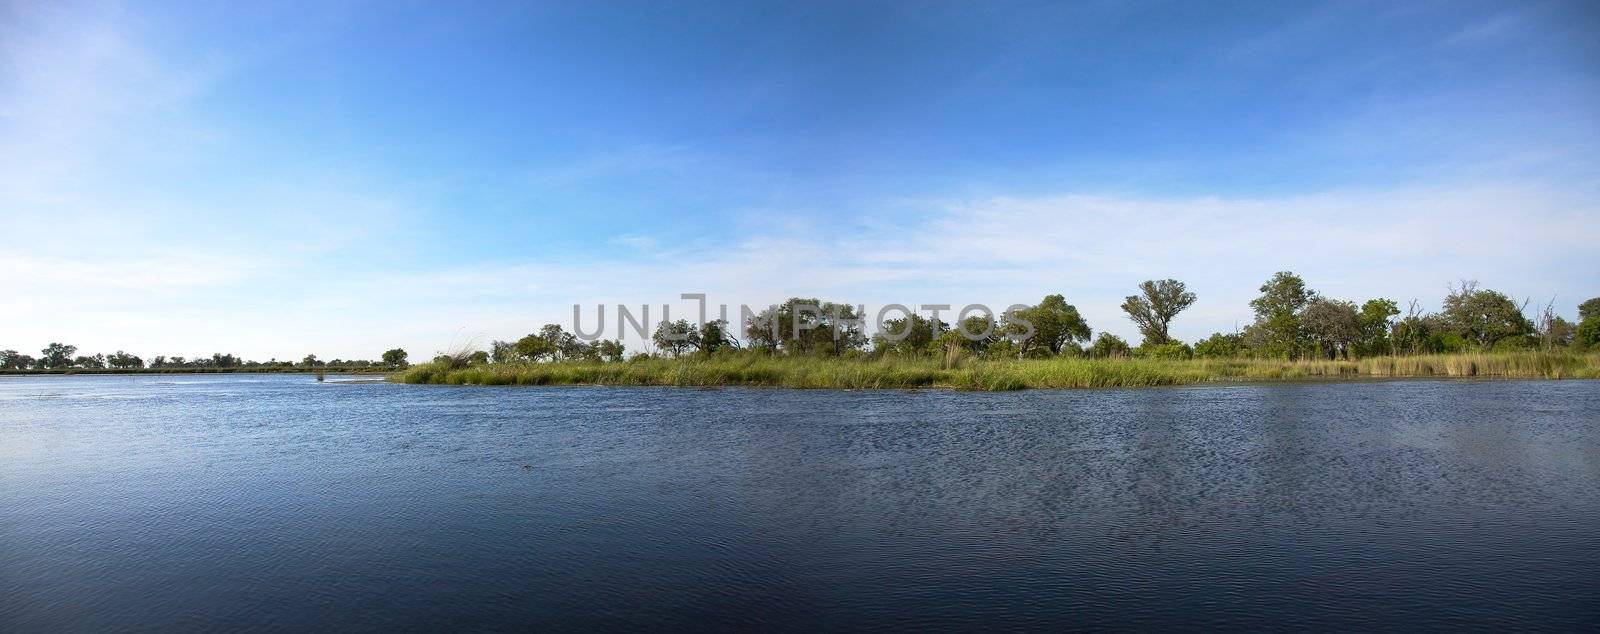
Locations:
275 502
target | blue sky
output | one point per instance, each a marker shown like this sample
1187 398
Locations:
273 180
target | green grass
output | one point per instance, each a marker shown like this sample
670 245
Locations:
995 375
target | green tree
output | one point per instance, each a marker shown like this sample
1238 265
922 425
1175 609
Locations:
123 360
676 337
713 336
1055 323
1108 345
1332 325
1278 312
502 351
533 347
1590 308
609 350
1558 332
764 330
1220 346
57 355
1587 334
18 361
806 326
1483 317
562 344
1374 323
1153 309
918 335
842 328
311 361
972 332
396 358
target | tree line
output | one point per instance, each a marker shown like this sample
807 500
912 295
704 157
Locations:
1292 321
60 356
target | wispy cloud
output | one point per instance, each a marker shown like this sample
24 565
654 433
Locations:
1402 244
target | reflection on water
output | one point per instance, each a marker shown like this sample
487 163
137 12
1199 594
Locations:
275 501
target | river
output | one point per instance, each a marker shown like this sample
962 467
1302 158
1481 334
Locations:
277 502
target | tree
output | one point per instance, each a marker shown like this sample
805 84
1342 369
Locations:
1552 330
311 361
676 337
1587 335
1590 308
502 351
563 344
807 325
1332 325
972 331
915 335
1557 332
950 346
123 360
609 349
1153 309
21 362
556 338
1055 324
1108 345
532 348
10 358
96 362
1220 346
764 330
842 326
57 355
1278 312
714 335
396 358
1373 325
1483 317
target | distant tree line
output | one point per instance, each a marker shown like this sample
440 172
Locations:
551 343
1292 321
60 356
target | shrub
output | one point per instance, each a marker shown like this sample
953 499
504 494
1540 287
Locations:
1171 350
1108 345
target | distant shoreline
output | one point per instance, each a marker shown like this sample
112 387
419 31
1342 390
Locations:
754 370
75 371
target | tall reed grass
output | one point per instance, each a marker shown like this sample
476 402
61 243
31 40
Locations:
994 375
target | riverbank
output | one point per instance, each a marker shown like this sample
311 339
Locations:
996 375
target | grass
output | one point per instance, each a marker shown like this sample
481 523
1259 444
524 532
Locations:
995 375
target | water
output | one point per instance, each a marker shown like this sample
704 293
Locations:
274 502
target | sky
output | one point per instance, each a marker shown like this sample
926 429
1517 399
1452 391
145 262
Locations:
276 179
